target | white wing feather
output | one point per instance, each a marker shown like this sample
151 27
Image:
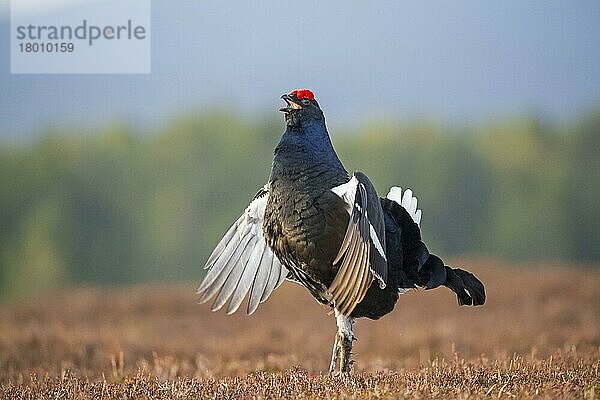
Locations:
242 262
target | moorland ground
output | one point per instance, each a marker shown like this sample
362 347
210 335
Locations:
538 336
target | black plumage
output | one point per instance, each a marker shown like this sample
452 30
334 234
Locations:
313 223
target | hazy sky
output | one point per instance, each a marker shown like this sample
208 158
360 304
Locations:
457 60
44 6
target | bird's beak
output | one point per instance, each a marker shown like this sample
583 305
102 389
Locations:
292 103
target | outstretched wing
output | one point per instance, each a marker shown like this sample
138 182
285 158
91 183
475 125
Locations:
362 253
242 262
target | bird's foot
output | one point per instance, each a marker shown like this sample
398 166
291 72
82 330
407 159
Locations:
342 351
340 373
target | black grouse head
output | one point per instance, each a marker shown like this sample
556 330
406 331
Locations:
302 108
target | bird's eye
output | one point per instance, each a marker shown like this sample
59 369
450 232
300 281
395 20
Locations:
306 101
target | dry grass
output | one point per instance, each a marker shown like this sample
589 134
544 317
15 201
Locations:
537 337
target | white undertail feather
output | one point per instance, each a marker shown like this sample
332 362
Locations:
406 200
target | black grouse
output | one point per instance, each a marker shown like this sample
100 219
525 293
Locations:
315 225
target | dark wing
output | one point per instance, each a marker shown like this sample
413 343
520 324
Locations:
242 262
362 253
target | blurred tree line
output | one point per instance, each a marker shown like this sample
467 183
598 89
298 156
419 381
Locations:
121 207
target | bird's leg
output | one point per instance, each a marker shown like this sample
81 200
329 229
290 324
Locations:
345 338
335 355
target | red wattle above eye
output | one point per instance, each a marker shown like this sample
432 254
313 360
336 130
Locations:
303 94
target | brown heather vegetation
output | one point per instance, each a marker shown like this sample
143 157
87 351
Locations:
537 337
